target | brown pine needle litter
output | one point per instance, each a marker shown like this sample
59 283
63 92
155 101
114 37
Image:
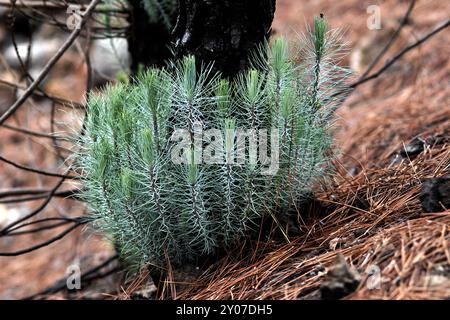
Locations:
377 224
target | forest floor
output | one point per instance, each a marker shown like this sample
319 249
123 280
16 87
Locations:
365 233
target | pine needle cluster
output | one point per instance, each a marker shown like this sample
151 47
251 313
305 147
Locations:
156 200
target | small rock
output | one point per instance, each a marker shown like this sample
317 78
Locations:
341 280
413 149
148 292
435 194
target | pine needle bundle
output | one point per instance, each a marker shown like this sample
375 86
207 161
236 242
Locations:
182 162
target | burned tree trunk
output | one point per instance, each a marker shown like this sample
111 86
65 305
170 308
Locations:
223 31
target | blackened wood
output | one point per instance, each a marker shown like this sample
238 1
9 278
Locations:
225 32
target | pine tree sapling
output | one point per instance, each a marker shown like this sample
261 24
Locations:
178 163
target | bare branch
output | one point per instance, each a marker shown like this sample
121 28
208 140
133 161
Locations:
41 172
36 211
42 94
405 50
61 221
33 133
42 244
50 64
36 194
87 277
383 51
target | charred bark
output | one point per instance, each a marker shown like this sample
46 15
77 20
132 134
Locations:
224 31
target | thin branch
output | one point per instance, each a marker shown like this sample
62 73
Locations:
397 32
36 211
70 196
43 94
62 5
21 192
405 50
43 244
33 191
41 172
37 230
37 194
33 133
86 277
390 62
50 64
62 221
